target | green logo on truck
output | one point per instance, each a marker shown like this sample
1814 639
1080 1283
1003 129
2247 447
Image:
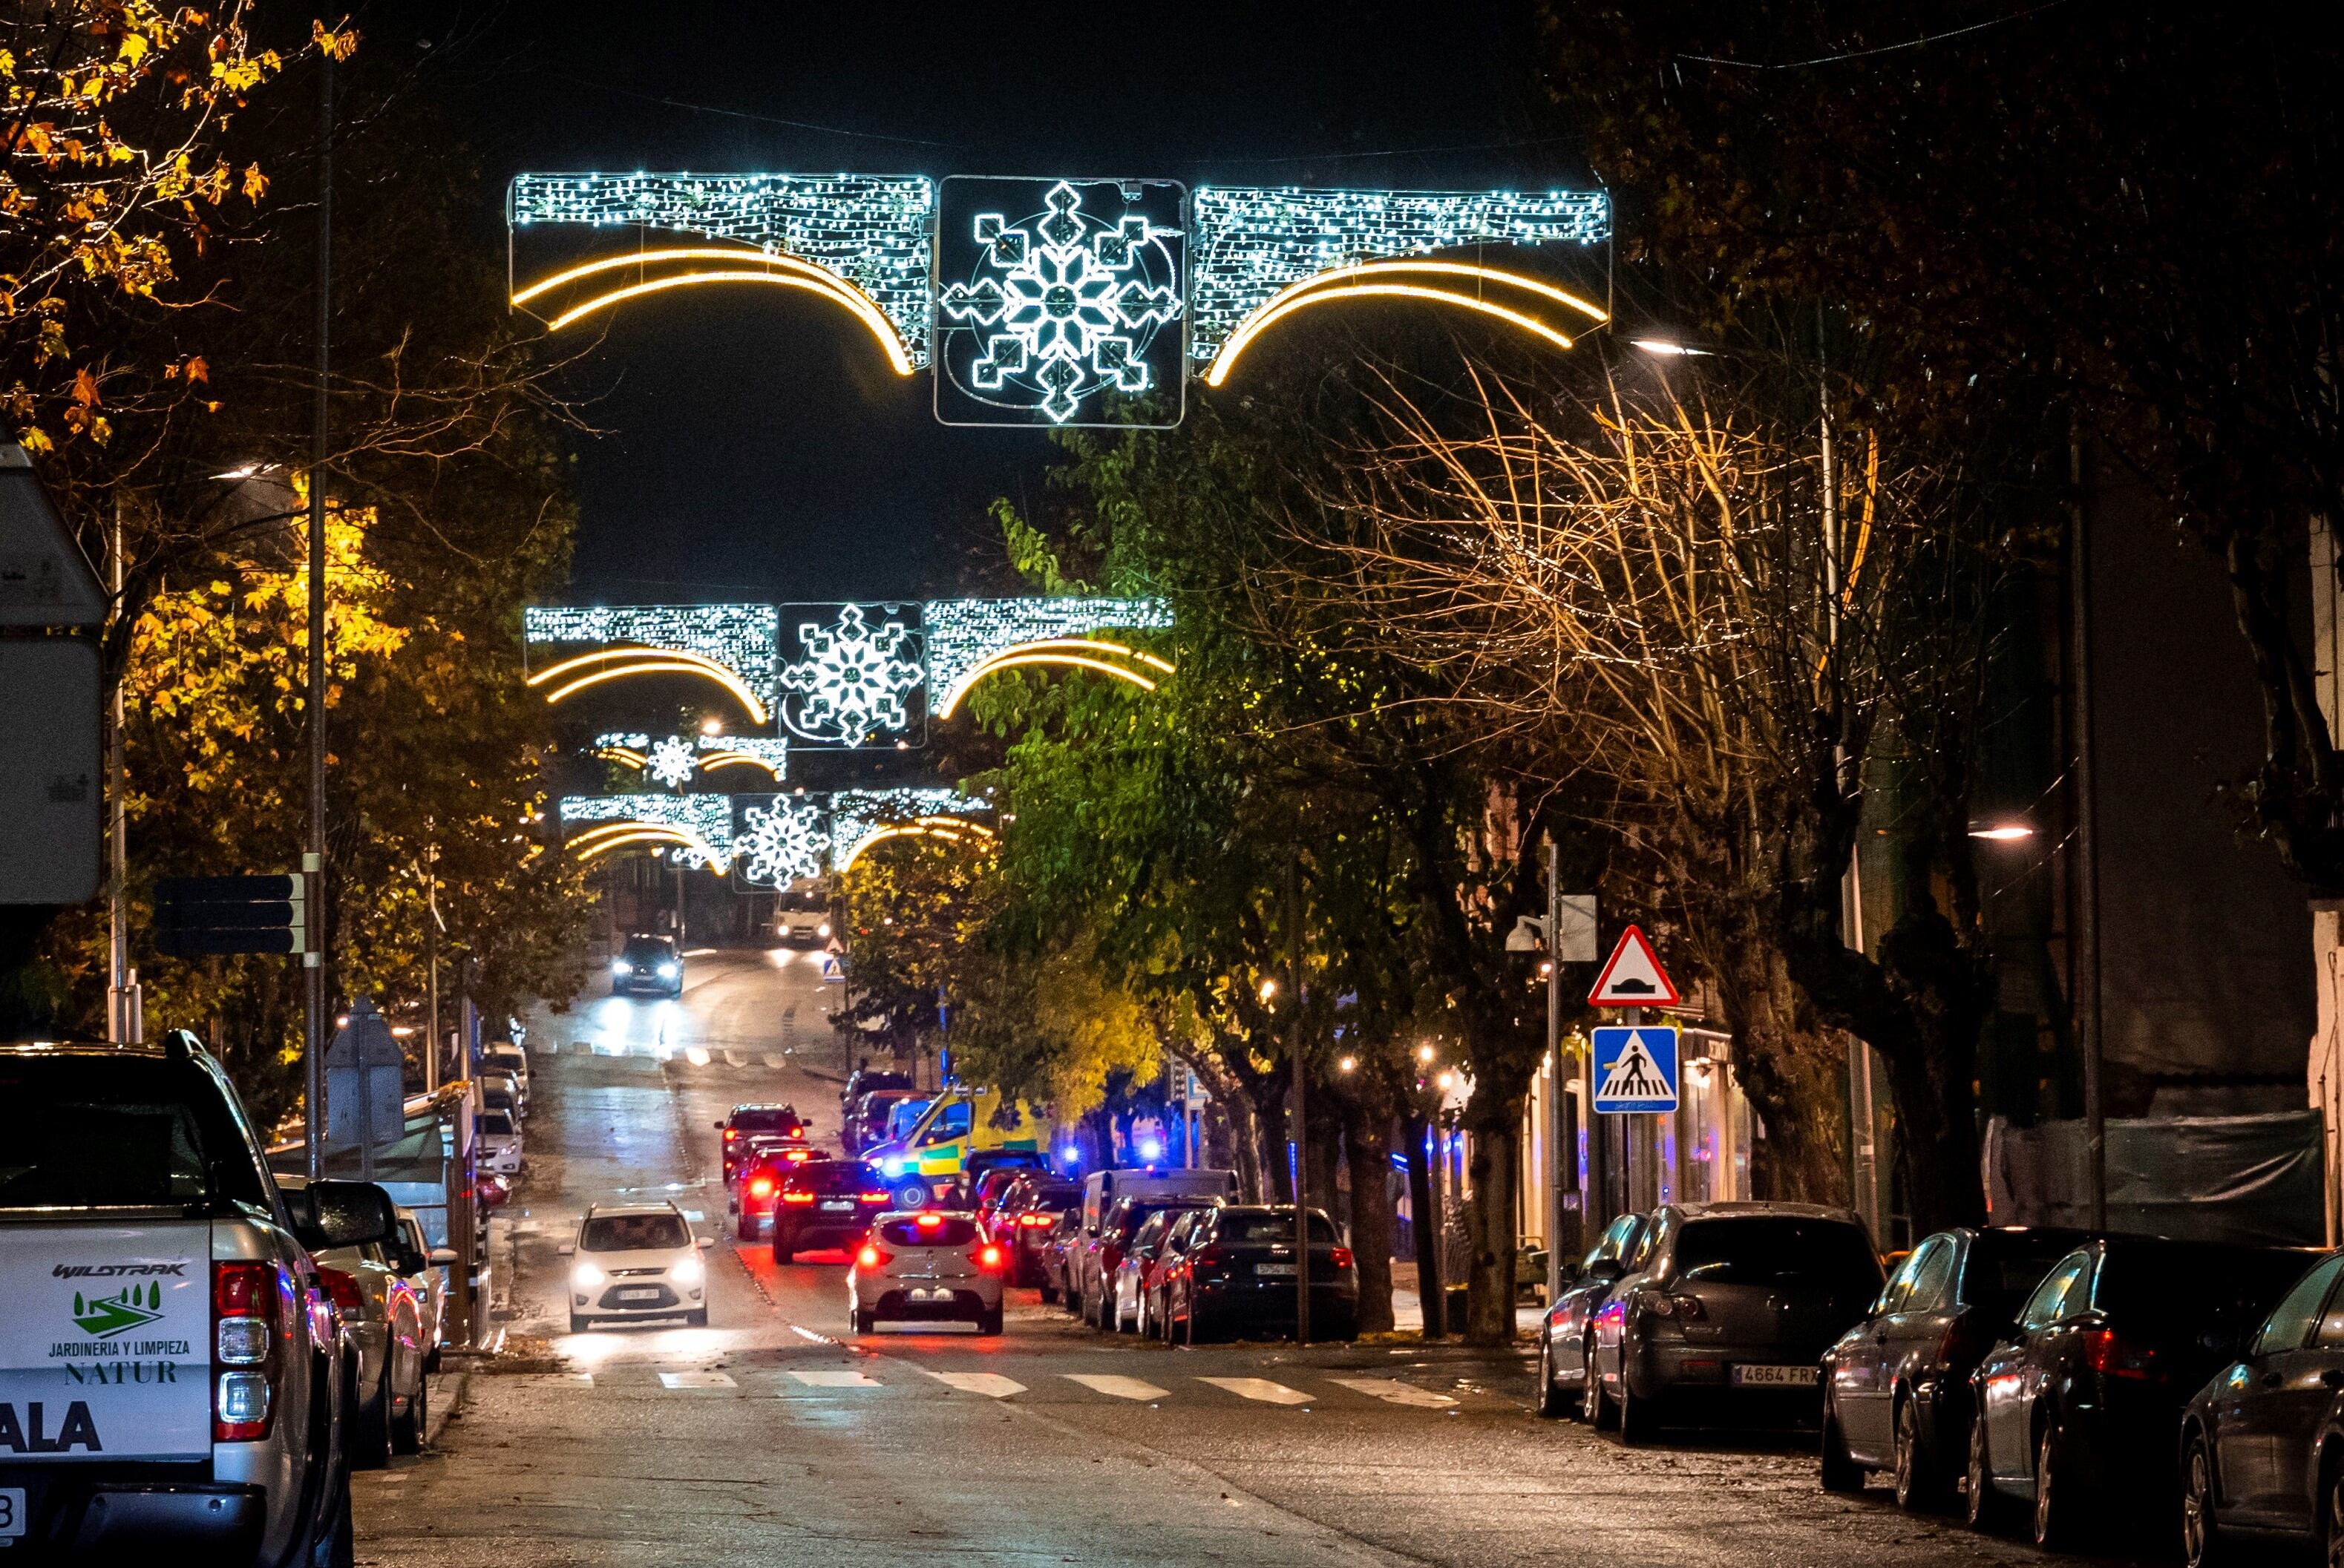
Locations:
107 1316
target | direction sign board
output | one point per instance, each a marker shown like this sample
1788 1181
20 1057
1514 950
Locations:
198 915
1632 977
1636 1069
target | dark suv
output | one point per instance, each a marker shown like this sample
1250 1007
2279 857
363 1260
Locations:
752 1126
647 966
824 1203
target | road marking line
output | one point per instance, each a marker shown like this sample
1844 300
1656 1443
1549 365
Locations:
993 1385
839 1378
1260 1387
1120 1387
1394 1392
696 1380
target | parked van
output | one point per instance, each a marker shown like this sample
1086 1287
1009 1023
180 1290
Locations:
1102 1188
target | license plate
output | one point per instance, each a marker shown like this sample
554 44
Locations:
935 1295
837 1208
1275 1271
639 1294
1777 1377
12 1513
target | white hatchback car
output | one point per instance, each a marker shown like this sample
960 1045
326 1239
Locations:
636 1261
926 1265
499 1138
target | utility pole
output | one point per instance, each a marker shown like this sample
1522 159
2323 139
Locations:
1557 1161
2084 1005
1301 1104
124 1024
431 941
313 862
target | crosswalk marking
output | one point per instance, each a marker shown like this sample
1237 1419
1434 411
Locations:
1120 1387
833 1378
993 1385
696 1380
1394 1392
1260 1387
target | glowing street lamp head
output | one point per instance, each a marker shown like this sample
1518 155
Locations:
2003 832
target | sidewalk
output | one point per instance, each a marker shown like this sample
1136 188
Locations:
1408 1313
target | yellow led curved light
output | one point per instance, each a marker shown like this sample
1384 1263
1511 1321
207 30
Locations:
631 834
712 760
785 271
923 828
1058 651
631 759
626 661
1376 279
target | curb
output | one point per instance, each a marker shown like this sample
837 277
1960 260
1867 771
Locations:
447 1397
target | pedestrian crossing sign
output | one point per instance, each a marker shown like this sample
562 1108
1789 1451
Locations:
1636 1069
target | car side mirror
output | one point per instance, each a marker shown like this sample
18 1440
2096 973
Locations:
1607 1270
443 1257
567 1250
718 1125
329 1214
411 1262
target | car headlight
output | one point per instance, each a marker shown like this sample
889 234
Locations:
620 967
670 970
822 929
586 1276
688 1273
893 1165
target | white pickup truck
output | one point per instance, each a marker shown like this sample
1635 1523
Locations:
172 1374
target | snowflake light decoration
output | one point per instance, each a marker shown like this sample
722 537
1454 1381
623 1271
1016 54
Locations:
781 843
671 762
1063 305
853 680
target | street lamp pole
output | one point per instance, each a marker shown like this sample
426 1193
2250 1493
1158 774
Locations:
313 861
1301 1111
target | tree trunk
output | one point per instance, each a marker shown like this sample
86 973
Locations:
1366 1149
1495 1120
1793 1076
1424 1219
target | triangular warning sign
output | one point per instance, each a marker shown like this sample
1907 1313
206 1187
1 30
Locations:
1634 976
1634 1075
44 579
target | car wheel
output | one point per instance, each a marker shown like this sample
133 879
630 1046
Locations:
1050 1291
989 1322
698 1320
1638 1418
1551 1401
407 1431
912 1195
371 1433
1838 1470
333 1543
865 1320
2203 1543
2332 1527
578 1325
2055 1503
784 1251
1920 1477
1984 1508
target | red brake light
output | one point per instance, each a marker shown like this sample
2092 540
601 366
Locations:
1033 1220
1206 1257
929 1220
870 1257
2111 1357
1342 1257
797 1156
988 1257
252 1310
731 1133
873 1197
344 1289
244 1290
796 1197
761 1186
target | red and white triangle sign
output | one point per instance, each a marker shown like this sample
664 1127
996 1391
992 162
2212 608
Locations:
1634 976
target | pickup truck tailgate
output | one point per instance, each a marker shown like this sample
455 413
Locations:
105 1341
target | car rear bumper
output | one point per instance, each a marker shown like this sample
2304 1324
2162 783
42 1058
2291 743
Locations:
820 1233
74 1516
897 1306
1270 1304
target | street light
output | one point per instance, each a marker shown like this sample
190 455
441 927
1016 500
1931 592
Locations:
1669 350
1267 989
2003 832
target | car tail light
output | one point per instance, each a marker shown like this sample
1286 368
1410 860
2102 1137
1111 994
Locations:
1689 1308
873 1197
343 1288
761 1186
987 1257
871 1256
1034 1221
1342 1259
929 1221
252 1310
2111 1357
731 1133
797 1197
797 1156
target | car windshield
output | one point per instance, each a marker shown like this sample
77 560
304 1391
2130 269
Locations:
1269 1229
496 1122
117 1131
902 1116
931 1231
648 950
634 1233
756 1119
1768 1249
1064 1197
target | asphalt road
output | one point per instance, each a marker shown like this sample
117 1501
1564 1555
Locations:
774 1436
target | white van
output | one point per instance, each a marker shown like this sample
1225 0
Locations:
1102 1188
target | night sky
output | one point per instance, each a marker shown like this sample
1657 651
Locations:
753 446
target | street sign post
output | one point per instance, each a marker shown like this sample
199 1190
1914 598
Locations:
195 916
1636 1068
1632 977
364 1086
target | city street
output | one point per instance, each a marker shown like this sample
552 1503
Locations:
774 1436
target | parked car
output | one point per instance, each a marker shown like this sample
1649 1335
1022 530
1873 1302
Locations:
746 1122
1896 1386
506 1056
134 1200
501 1091
1728 1315
990 1174
2078 1405
861 1082
1092 1263
1126 1291
431 1285
1177 1238
925 1266
1236 1275
648 964
1025 1218
383 1315
1567 1335
825 1203
634 1261
1055 1257
497 1136
2262 1443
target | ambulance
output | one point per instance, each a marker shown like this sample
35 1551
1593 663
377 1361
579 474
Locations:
961 1127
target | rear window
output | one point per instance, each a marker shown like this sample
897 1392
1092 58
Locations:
633 1233
833 1176
2195 1288
939 1232
2003 1270
119 1131
1268 1229
1777 1249
1066 1197
785 1122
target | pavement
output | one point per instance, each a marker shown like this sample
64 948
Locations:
776 1436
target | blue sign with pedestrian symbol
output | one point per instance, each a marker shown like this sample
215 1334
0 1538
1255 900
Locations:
1636 1069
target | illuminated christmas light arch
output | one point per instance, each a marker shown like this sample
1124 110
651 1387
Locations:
1072 652
701 825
